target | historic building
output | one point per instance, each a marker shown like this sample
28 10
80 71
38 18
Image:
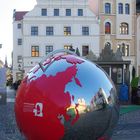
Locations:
138 37
58 24
138 44
117 27
51 25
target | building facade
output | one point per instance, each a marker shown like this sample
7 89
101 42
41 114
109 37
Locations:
118 28
138 44
52 25
58 24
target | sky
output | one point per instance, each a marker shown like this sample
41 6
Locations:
6 26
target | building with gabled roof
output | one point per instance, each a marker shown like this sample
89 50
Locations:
52 25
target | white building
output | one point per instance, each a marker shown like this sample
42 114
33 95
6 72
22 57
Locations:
138 44
52 25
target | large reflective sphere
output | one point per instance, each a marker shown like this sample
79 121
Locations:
66 98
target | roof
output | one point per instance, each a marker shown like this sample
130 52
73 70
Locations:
112 62
19 15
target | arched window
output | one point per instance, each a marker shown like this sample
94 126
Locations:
124 29
127 9
120 8
124 48
107 28
107 8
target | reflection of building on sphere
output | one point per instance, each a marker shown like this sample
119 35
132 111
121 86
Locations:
64 94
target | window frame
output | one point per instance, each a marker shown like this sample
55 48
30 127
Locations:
68 12
19 59
48 49
124 28
107 28
85 51
19 25
44 12
56 12
35 52
127 8
120 8
19 41
85 30
49 31
124 49
80 12
34 30
107 8
67 30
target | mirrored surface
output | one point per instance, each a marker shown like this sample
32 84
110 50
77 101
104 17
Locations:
69 96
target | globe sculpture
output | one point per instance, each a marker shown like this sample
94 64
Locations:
66 97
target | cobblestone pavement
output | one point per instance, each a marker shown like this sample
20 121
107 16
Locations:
128 127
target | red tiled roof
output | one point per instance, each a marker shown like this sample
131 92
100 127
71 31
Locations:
19 15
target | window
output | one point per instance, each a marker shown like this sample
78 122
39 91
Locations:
44 12
85 30
19 41
35 51
19 25
120 8
68 12
85 50
67 31
19 59
56 12
80 12
107 28
107 8
119 76
127 9
34 30
67 47
124 29
49 30
124 49
49 49
139 45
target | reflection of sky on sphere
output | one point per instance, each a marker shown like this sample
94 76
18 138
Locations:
57 66
52 70
92 78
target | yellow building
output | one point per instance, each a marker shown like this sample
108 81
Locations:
117 20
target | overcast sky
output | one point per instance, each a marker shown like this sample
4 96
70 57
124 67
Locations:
6 27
